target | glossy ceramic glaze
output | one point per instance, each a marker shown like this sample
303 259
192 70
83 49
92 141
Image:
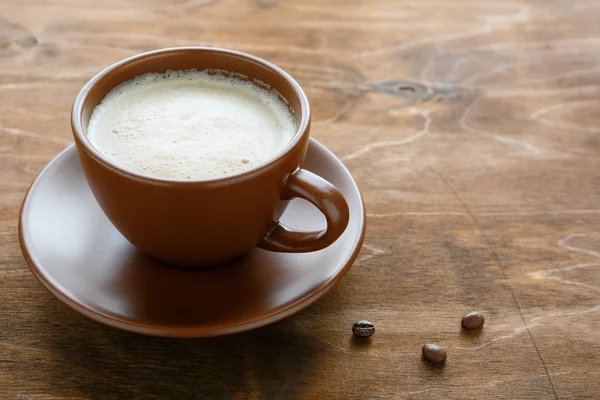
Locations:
204 223
78 255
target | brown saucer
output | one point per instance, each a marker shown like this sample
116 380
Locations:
76 253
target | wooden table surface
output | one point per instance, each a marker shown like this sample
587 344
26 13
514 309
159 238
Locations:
472 129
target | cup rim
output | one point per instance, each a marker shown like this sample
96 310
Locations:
82 139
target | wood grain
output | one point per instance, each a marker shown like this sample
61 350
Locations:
472 130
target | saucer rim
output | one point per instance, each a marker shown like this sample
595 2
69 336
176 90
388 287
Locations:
175 331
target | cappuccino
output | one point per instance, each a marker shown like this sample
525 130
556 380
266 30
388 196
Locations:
187 125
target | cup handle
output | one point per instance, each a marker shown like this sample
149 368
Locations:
327 198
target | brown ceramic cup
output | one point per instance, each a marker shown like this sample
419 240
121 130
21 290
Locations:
202 223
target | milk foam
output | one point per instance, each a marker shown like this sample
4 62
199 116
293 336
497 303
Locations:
187 125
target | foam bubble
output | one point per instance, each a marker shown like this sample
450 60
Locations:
190 125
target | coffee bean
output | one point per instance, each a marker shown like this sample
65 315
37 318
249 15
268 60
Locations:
363 328
473 320
434 353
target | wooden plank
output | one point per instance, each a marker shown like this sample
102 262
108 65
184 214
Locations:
472 131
